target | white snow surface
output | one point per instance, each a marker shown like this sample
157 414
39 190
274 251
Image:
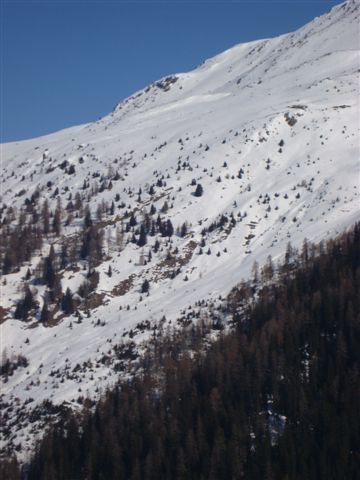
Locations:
234 109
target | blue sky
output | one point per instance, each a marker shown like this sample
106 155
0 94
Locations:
70 62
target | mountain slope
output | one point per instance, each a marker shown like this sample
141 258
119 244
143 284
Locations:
269 129
275 397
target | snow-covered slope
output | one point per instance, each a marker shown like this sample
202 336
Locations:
268 128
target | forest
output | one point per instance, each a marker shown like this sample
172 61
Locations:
275 396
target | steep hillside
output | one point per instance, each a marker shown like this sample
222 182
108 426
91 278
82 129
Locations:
268 129
275 397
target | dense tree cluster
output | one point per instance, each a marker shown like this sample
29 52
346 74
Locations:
18 244
8 366
276 398
23 232
25 305
150 226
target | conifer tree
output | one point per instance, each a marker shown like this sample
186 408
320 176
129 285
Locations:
142 237
56 224
45 215
145 286
67 303
44 316
199 190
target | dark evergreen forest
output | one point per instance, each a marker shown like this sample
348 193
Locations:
276 397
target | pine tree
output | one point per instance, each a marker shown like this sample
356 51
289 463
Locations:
156 246
142 236
44 316
183 230
169 229
145 286
25 305
132 220
120 237
9 261
67 303
112 208
49 270
64 257
199 190
56 224
45 215
87 220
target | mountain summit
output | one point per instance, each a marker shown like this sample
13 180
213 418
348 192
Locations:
151 215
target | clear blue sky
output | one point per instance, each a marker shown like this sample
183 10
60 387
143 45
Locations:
69 62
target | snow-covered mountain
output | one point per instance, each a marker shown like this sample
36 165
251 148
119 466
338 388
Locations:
269 129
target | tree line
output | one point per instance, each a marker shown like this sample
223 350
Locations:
276 397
